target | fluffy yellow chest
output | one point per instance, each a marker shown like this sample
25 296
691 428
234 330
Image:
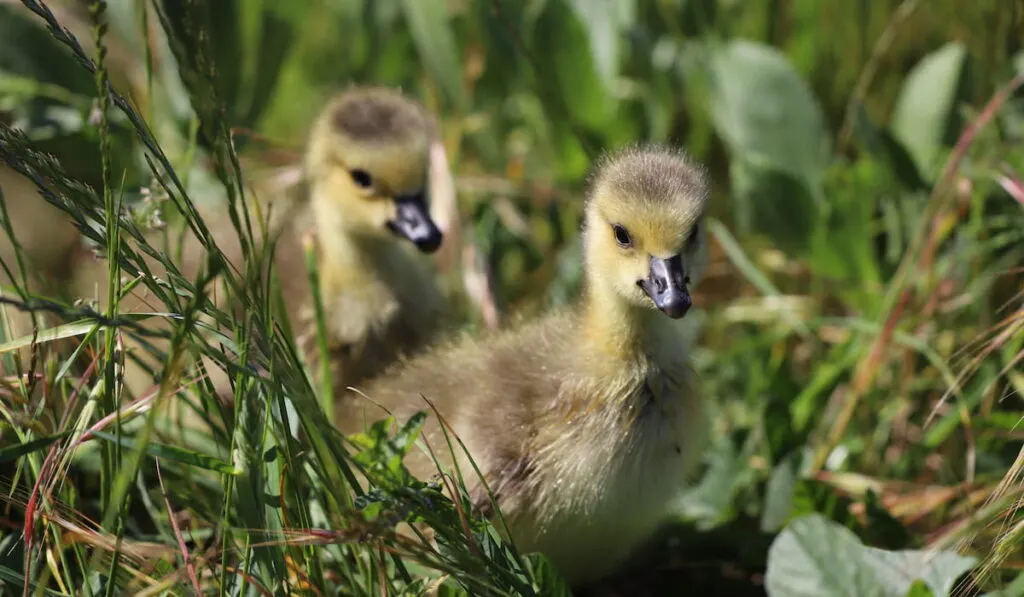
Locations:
606 484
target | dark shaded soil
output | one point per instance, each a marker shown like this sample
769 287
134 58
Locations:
727 561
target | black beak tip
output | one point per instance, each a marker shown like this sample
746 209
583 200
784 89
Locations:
666 286
678 308
430 242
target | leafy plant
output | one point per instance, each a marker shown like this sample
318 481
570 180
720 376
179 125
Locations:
814 556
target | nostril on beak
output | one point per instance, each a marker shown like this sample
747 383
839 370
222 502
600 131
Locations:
666 286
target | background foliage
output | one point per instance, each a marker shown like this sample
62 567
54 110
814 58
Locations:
859 329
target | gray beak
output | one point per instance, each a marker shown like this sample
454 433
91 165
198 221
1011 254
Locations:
666 285
413 222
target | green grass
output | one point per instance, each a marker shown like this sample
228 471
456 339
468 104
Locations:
860 330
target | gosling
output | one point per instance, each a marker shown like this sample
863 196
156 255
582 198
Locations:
366 171
586 422
363 203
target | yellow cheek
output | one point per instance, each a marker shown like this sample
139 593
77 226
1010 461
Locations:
632 269
379 211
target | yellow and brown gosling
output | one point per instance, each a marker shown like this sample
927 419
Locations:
368 209
363 202
585 422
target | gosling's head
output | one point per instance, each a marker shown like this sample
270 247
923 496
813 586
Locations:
644 241
368 153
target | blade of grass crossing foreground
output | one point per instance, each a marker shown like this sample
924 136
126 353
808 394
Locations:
324 358
111 453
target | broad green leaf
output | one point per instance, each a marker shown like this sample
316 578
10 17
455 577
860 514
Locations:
902 162
562 48
766 112
428 23
899 569
774 202
926 106
605 21
173 453
774 130
815 557
778 500
881 143
19 450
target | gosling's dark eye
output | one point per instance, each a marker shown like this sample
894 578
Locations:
361 178
622 236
